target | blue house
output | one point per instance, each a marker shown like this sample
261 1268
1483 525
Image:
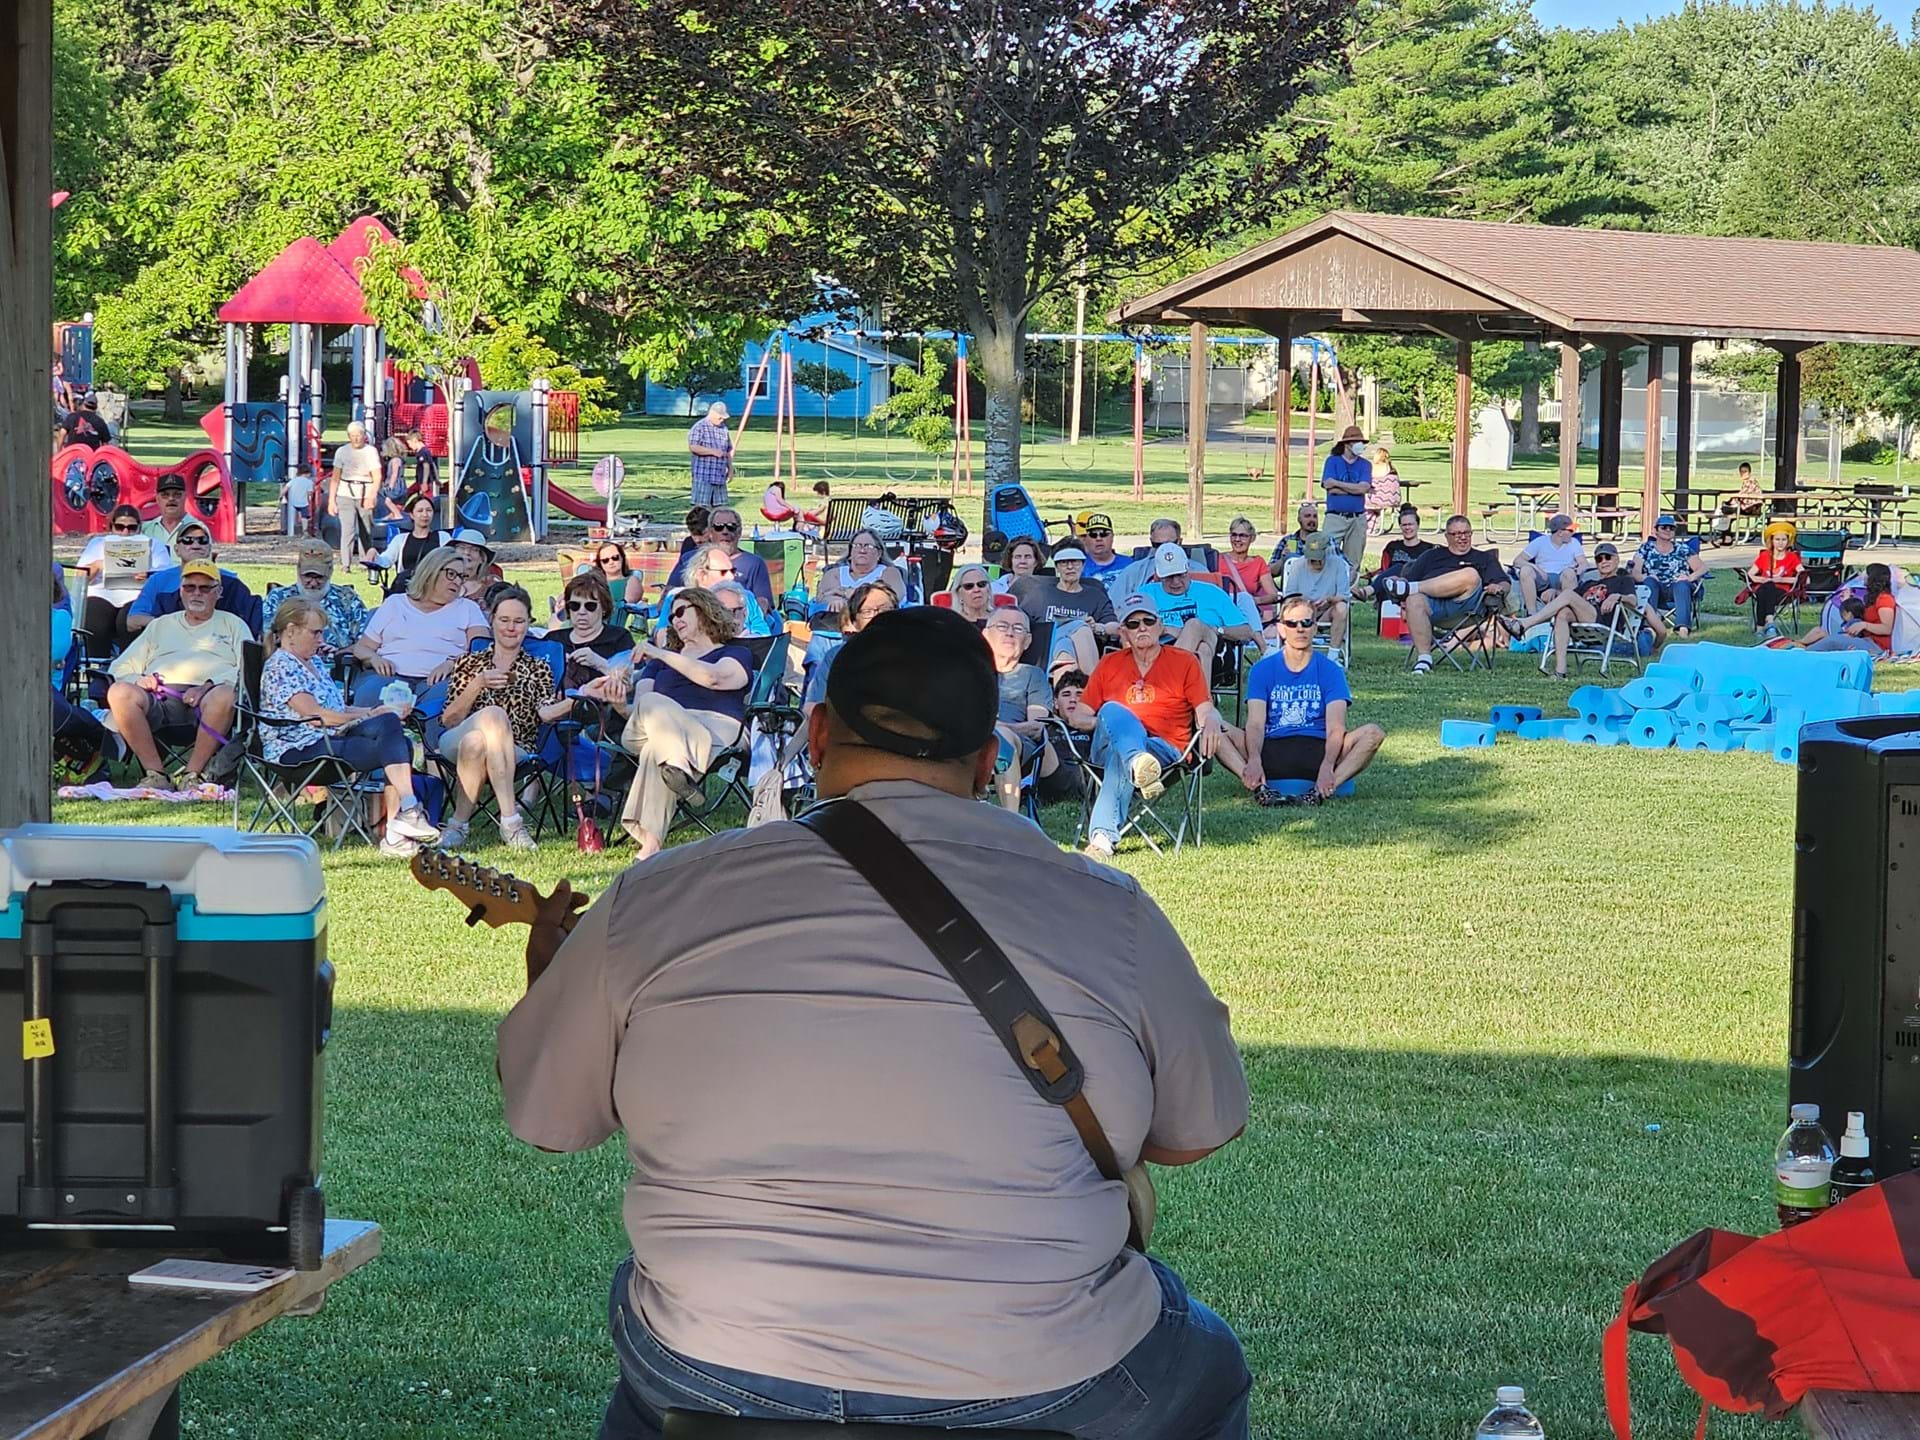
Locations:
866 363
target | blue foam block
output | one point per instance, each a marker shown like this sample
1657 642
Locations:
1747 696
1617 723
1709 708
1509 718
1579 733
1301 787
1466 735
1541 729
1760 741
1778 670
1787 720
1905 702
1651 730
1668 669
1655 692
1594 704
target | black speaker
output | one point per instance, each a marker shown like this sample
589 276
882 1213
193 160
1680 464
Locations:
1853 1038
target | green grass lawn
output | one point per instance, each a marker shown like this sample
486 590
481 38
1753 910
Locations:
1514 1021
1096 474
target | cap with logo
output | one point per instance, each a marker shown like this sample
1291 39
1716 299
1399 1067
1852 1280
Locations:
1168 560
926 665
205 569
170 482
1097 521
1316 546
313 557
1129 607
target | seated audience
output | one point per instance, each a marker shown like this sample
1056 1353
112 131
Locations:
1249 571
1138 573
170 491
696 522
1774 573
161 594
346 612
79 739
688 698
1297 705
1598 596
111 588
971 591
749 569
1866 623
1081 614
864 602
1671 572
1063 782
1320 575
593 646
1446 583
738 602
1142 705
708 568
1102 563
1025 703
180 672
1196 617
497 700
1748 500
295 686
418 634
866 564
1291 545
1403 547
1025 561
1550 564
409 547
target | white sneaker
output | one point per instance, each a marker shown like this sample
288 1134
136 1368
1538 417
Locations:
395 847
1099 847
412 824
1146 775
514 835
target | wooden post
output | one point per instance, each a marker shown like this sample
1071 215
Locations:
1282 428
1650 470
1682 423
1198 390
1786 391
1612 383
1313 418
26 377
1462 420
1569 422
1139 421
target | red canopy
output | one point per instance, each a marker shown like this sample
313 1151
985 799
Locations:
353 244
304 284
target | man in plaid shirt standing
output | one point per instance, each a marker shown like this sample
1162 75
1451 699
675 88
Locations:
711 446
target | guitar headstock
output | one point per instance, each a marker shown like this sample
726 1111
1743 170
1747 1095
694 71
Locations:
490 895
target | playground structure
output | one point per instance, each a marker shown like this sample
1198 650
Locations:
88 483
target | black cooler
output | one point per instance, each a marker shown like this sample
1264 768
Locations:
171 996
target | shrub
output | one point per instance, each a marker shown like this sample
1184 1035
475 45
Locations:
1869 451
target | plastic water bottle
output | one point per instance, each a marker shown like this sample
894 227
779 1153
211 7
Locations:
1510 1417
1803 1168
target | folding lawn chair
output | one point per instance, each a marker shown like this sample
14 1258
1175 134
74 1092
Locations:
1823 564
1474 636
1617 639
727 772
1180 797
342 810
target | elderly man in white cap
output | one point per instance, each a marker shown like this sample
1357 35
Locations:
1551 563
1196 617
353 489
1347 478
711 445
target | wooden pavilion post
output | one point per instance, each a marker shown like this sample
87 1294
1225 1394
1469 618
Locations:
1650 469
1682 423
26 318
1462 420
1612 383
1198 390
1786 394
1313 418
1282 426
1569 422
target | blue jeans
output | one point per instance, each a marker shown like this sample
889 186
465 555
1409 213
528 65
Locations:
373 744
1676 596
1118 736
1187 1380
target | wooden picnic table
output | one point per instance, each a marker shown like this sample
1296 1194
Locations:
87 1355
1839 1415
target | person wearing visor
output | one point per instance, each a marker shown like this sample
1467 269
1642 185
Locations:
846 1205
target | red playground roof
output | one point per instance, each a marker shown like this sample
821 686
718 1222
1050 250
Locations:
303 284
356 242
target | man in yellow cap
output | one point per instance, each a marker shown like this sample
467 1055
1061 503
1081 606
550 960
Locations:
180 672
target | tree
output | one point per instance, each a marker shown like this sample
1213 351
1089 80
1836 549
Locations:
956 161
921 401
823 379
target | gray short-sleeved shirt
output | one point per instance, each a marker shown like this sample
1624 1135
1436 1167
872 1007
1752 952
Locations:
1021 687
839 1177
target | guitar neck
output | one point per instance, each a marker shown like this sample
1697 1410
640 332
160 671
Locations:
496 897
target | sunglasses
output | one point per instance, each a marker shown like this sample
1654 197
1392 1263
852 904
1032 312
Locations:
724 529
574 606
1099 534
610 559
181 542
126 529
1299 624
1141 624
974 585
678 611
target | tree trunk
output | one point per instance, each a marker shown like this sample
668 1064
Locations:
999 354
176 406
1530 409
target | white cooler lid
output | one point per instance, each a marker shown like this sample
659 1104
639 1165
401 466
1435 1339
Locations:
226 872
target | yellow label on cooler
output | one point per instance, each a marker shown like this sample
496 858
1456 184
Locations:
36 1039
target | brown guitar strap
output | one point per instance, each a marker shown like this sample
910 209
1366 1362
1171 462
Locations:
982 969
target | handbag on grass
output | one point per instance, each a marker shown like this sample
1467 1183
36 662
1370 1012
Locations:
1755 1323
981 968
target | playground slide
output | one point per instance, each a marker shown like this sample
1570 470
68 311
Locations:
594 510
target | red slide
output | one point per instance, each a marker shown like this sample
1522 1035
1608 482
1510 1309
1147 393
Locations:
594 510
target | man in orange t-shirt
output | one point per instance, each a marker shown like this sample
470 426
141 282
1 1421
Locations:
1142 705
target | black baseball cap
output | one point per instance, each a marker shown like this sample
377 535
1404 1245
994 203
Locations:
926 663
170 481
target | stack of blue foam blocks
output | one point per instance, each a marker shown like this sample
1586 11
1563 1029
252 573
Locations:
1704 697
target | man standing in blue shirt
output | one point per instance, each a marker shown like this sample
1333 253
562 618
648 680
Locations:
1297 704
711 447
1348 480
1195 617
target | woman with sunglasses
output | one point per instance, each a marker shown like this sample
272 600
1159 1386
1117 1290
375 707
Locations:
593 646
866 564
111 588
972 594
689 697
